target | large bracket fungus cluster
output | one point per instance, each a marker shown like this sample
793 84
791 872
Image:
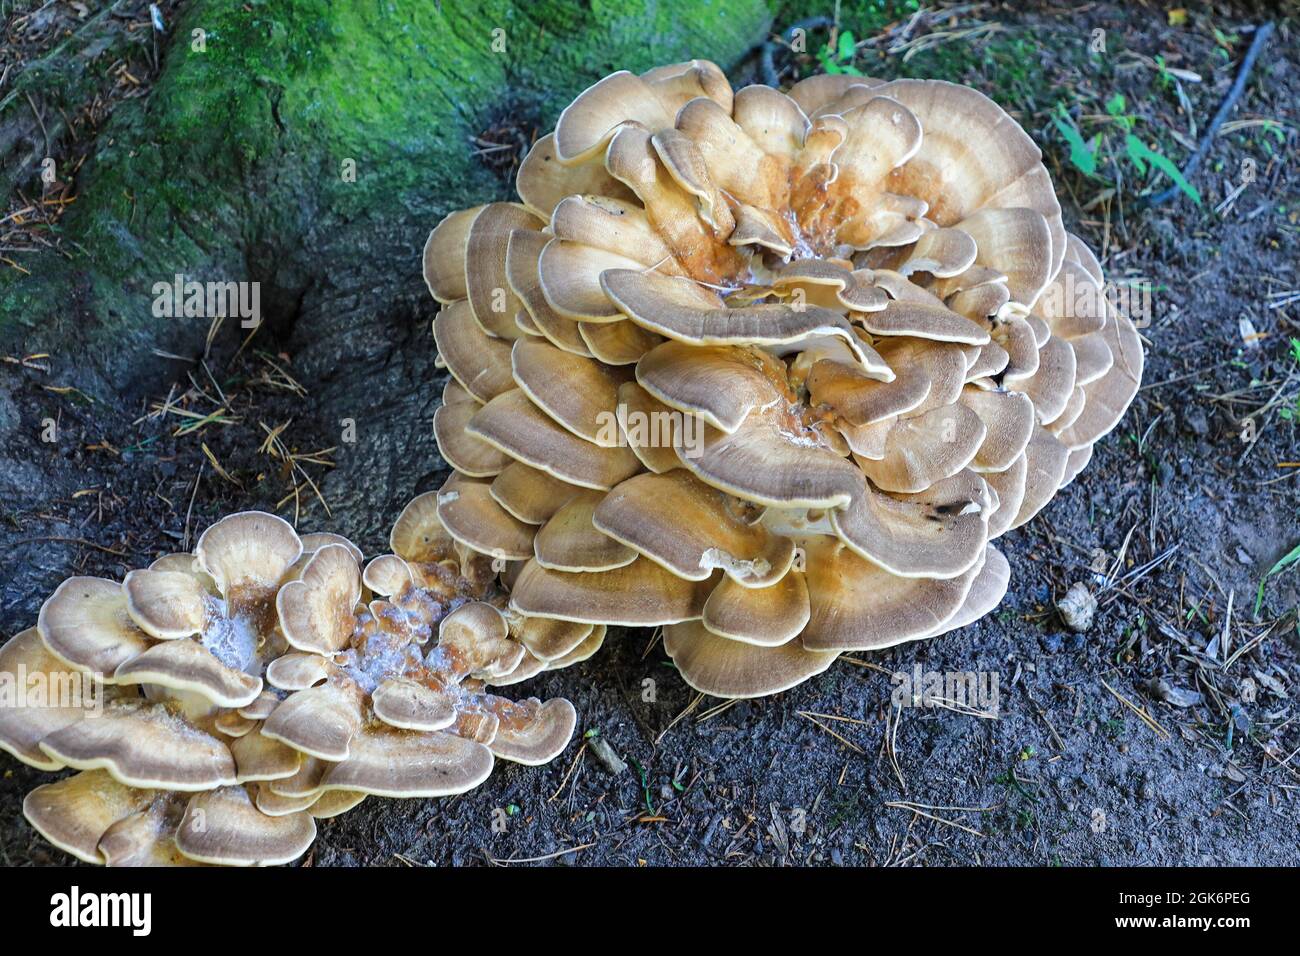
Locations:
772 371
231 697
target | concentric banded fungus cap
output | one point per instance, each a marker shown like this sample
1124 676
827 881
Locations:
266 682
785 365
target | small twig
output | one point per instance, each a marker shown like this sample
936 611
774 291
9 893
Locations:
538 859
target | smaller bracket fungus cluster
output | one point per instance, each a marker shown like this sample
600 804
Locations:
229 698
770 370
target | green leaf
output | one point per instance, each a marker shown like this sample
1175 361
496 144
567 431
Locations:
1140 153
847 46
827 61
1284 563
1083 156
1115 105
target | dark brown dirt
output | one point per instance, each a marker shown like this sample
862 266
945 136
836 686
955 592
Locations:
1066 774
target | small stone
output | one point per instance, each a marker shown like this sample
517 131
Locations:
1077 608
1196 421
605 754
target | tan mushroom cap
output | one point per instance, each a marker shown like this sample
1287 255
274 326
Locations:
493 304
681 309
408 705
1018 243
418 534
189 666
1009 486
529 493
586 125
973 156
523 255
1009 421
75 812
166 604
529 666
570 541
726 668
533 733
247 553
86 624
650 428
387 574
387 762
1109 396
320 721
546 638
642 593
147 837
720 384
296 670
275 805
303 784
1077 461
569 274
144 745
928 320
444 255
617 343
773 459
519 428
578 393
767 616
315 611
467 454
936 533
25 722
589 646
258 757
184 563
315 540
1045 462
920 449
986 593
857 605
261 708
480 363
692 529
543 181
225 827
475 639
468 511
334 803
232 723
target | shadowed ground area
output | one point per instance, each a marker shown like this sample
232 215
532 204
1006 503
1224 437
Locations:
310 147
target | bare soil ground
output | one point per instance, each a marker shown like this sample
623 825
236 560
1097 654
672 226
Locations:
1163 735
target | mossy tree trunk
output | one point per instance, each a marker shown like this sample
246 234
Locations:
308 146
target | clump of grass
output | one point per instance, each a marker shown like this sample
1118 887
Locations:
1140 154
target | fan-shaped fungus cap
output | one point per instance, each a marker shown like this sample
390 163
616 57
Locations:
860 349
375 687
25 722
224 826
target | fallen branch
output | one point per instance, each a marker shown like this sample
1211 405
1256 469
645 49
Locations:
1238 87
